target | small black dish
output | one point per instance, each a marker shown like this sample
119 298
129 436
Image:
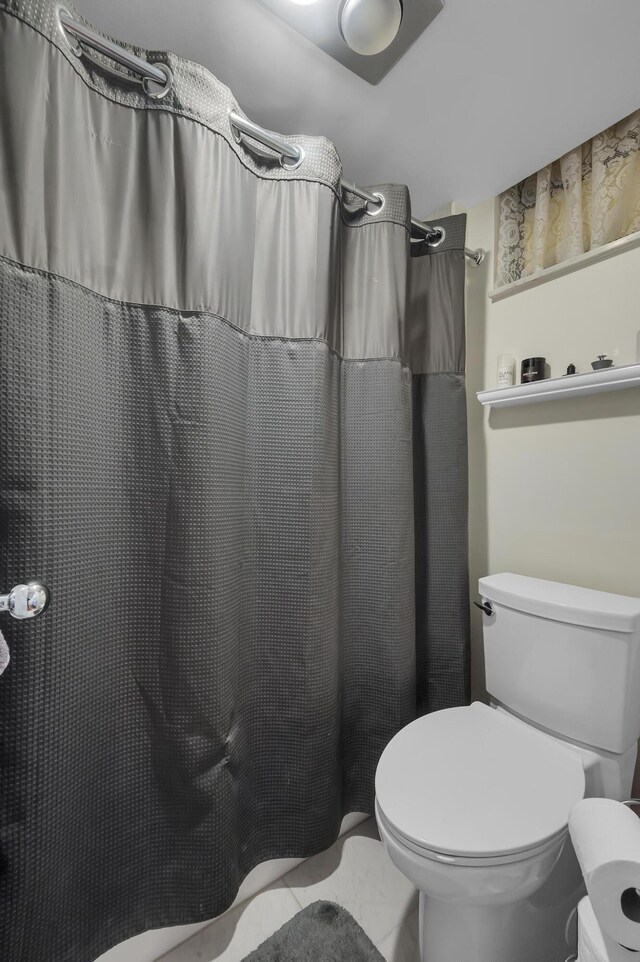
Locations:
602 362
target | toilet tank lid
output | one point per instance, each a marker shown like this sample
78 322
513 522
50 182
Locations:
560 602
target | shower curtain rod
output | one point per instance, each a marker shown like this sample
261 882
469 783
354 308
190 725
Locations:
290 154
295 155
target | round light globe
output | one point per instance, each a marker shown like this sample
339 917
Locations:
369 26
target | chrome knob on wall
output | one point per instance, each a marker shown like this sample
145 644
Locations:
486 606
26 601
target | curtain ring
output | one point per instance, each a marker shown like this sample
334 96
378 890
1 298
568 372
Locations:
379 208
153 89
72 44
289 163
439 240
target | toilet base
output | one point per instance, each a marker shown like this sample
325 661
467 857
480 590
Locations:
531 930
506 933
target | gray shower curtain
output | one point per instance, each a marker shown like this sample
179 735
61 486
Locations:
232 443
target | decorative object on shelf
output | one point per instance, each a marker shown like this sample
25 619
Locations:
506 366
570 370
602 363
532 369
593 382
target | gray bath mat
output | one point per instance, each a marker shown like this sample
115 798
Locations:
323 932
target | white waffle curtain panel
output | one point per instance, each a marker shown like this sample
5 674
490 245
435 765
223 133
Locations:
233 445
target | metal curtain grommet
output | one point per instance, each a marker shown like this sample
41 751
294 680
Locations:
291 163
154 89
72 42
632 802
438 240
273 143
379 208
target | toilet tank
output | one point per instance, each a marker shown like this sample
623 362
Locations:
565 658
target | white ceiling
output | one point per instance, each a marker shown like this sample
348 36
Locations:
493 89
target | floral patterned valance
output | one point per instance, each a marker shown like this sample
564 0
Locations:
588 198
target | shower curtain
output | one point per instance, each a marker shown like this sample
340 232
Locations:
233 445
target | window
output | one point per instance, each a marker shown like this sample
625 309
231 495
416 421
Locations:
585 200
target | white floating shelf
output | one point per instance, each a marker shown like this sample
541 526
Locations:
609 379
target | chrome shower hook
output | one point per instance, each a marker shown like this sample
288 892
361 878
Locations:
379 208
434 238
289 156
156 79
438 240
73 44
154 89
289 163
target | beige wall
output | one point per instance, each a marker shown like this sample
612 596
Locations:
554 487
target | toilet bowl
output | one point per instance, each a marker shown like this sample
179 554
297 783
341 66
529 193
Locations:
472 803
475 804
472 807
488 881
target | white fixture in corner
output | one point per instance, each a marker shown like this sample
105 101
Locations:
370 26
572 385
473 803
366 36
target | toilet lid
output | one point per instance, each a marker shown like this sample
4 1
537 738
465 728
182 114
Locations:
475 782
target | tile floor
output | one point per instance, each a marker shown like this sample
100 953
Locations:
355 872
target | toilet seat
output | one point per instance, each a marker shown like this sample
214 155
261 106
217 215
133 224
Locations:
500 858
468 784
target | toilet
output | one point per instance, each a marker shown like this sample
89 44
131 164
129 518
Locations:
472 803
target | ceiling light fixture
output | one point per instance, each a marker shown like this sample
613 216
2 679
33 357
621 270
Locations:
367 36
369 26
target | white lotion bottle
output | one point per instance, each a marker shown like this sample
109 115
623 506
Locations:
506 367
